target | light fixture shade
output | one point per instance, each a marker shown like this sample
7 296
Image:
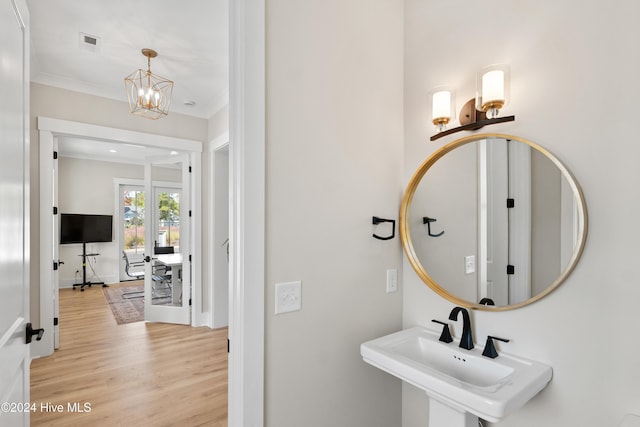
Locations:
149 95
442 106
493 89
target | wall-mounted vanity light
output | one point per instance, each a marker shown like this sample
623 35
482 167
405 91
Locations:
492 94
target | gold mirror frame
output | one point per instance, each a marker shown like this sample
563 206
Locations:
405 235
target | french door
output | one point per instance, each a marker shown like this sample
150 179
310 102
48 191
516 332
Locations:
167 276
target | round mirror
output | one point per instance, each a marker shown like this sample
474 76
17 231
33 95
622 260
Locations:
493 222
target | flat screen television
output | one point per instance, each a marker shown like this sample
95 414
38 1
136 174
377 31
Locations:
83 228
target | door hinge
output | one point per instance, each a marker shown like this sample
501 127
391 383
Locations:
55 321
511 203
55 266
189 301
55 210
55 155
511 269
189 213
189 169
189 257
228 345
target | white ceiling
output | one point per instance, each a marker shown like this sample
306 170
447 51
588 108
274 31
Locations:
106 151
190 36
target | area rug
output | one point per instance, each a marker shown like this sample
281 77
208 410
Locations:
126 302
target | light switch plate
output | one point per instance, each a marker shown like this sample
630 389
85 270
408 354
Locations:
392 280
469 264
288 297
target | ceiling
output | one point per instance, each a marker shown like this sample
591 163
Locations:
191 38
106 151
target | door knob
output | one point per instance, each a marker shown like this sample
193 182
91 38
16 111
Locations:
31 332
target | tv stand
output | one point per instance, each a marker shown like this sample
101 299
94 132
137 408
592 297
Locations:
84 271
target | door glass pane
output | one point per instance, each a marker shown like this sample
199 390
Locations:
168 219
133 230
167 263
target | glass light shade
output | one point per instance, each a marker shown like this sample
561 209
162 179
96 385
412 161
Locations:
442 107
493 86
492 89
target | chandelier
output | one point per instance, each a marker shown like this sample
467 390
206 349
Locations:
149 94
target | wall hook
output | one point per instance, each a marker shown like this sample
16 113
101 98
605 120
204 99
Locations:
377 221
428 221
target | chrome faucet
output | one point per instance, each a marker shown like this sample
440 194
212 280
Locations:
466 341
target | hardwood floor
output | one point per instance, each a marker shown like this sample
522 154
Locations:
137 374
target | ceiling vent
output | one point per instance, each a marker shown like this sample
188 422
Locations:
89 42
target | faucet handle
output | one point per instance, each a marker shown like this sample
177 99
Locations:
490 349
445 336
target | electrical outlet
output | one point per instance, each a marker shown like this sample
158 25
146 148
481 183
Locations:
288 297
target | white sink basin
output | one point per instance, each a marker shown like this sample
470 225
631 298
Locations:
461 379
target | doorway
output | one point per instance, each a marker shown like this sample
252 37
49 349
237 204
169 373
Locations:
220 242
50 130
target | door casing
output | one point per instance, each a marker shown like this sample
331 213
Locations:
48 128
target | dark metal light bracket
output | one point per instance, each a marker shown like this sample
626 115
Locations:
472 119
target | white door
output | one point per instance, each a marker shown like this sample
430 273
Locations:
505 233
55 276
493 221
520 222
167 281
14 214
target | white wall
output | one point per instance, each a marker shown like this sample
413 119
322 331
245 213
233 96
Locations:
334 159
575 87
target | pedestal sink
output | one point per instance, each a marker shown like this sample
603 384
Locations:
462 385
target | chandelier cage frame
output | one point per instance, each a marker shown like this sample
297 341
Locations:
149 94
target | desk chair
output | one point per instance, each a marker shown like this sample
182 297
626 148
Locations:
138 275
163 250
162 274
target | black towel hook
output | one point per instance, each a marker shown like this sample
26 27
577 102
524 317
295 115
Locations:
428 221
377 221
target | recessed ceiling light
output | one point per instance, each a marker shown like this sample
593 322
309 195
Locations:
173 153
112 151
189 102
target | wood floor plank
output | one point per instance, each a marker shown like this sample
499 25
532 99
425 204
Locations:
142 374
